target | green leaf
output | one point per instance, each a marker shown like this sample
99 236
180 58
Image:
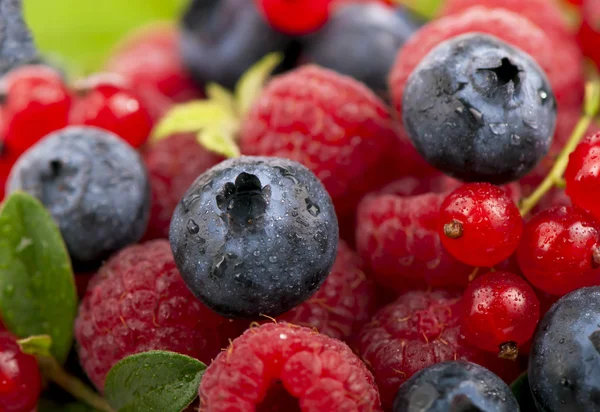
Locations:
47 405
85 31
425 8
191 117
153 381
220 140
37 288
252 82
36 345
221 95
520 388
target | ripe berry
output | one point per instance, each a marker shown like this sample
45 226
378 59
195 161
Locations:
295 16
499 313
36 103
559 250
254 235
589 32
114 107
583 175
459 109
20 380
455 386
479 224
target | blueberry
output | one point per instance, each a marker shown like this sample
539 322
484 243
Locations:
361 41
16 42
254 235
564 362
479 109
221 39
94 185
455 386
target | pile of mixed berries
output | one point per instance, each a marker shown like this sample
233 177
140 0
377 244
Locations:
334 205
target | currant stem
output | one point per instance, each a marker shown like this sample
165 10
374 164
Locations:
54 372
555 177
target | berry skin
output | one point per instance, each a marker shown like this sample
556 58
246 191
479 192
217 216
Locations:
582 175
479 224
398 238
566 80
93 184
343 304
499 313
459 109
20 380
138 302
564 357
254 235
37 102
379 31
113 107
328 122
589 32
221 39
295 17
316 372
558 252
173 164
419 329
455 386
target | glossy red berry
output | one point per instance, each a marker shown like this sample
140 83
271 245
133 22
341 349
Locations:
36 102
295 16
110 104
20 381
560 250
589 32
583 175
479 224
499 313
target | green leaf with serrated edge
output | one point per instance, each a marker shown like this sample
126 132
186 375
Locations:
47 405
36 345
37 287
153 381
520 388
251 83
220 140
222 96
190 118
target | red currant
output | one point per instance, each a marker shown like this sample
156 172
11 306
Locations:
110 104
589 32
37 102
559 250
295 16
583 175
20 381
479 224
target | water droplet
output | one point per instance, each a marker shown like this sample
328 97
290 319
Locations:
531 123
498 128
302 222
515 139
286 173
477 115
294 213
9 290
312 208
256 253
543 95
192 227
459 110
273 259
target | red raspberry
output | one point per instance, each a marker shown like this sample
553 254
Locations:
414 186
583 181
566 80
330 123
589 32
343 304
317 372
398 238
173 165
419 329
137 302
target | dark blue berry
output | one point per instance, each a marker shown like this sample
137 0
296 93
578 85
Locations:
479 109
564 362
254 236
94 185
361 41
456 386
16 43
221 39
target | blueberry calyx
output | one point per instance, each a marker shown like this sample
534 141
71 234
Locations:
244 202
595 339
505 73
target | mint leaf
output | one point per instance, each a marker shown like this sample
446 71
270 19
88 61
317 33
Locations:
219 139
251 83
36 345
153 381
37 288
47 405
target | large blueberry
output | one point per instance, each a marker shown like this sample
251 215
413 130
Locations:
479 109
254 236
94 185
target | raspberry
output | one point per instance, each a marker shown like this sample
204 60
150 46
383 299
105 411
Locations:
317 372
589 32
137 302
397 237
418 330
566 80
330 123
20 380
344 302
173 165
